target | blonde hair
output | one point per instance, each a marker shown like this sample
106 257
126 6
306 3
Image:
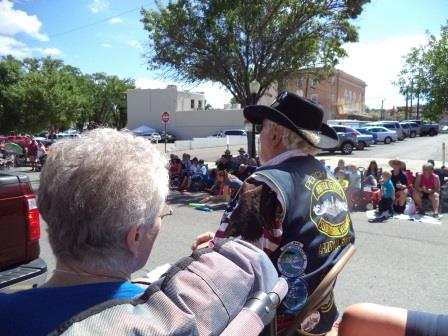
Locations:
292 140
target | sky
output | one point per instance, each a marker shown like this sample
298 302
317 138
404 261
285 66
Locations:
107 36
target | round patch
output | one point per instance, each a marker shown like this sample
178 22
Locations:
311 321
292 261
329 209
297 295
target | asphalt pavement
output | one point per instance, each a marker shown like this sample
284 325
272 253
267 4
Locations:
399 263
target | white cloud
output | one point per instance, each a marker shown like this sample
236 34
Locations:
97 6
115 20
135 44
10 46
105 45
52 51
14 21
214 93
378 64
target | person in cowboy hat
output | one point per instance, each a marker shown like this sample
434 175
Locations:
290 206
242 158
400 182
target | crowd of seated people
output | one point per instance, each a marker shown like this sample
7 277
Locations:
392 190
365 188
222 181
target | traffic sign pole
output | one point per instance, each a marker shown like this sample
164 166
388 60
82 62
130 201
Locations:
165 137
165 119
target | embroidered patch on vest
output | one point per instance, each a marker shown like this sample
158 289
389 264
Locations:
297 295
292 261
311 321
328 209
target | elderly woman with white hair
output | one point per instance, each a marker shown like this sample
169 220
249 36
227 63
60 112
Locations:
103 216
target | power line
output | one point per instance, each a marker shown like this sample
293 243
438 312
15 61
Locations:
97 22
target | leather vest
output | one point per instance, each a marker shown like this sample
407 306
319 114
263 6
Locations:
316 227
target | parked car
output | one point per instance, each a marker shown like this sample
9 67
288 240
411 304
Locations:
20 265
347 139
383 134
232 132
443 128
364 140
365 131
22 140
412 127
169 137
427 127
392 125
153 136
406 129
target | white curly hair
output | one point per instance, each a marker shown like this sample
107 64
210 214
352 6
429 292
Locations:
94 188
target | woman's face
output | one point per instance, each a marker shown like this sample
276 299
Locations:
373 166
427 172
147 236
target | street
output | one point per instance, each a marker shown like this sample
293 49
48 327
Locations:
397 263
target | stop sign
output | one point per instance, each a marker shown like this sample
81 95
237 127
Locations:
165 117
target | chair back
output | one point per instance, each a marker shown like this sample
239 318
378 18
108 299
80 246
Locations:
321 292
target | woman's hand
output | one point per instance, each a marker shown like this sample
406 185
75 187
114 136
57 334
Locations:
202 241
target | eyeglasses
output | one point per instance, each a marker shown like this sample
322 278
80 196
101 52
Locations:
166 211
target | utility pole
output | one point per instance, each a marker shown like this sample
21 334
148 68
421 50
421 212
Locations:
306 85
406 117
418 106
412 93
382 111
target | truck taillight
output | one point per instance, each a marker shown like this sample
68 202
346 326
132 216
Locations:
32 217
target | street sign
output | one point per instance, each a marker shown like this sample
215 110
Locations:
165 117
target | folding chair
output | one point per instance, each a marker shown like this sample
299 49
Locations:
320 293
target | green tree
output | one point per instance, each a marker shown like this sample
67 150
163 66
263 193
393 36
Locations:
109 108
37 94
235 42
425 74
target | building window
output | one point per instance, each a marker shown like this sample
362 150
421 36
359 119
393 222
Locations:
299 83
192 103
200 104
314 83
333 80
314 98
286 83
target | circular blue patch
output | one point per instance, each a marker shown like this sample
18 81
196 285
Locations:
297 295
292 261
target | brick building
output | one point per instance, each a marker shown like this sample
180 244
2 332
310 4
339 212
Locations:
341 95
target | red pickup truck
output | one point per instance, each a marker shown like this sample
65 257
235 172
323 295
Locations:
20 265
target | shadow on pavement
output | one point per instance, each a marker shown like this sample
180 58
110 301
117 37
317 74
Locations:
185 198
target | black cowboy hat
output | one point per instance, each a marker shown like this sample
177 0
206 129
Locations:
298 114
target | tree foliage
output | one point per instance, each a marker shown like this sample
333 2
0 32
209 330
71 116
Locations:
235 42
425 74
38 94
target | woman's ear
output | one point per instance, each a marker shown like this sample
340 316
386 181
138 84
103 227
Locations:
133 239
